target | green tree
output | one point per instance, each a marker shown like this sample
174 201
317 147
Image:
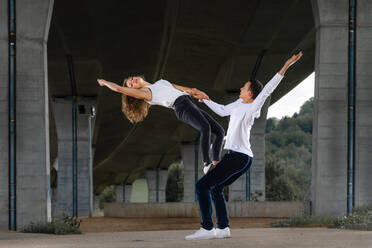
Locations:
288 155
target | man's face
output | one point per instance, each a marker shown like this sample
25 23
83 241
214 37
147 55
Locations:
245 91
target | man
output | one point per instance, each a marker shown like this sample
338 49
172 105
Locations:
239 155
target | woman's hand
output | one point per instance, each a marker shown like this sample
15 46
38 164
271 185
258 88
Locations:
101 82
110 85
198 94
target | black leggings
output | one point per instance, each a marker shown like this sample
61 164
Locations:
188 112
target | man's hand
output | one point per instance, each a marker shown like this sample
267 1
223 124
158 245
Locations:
198 94
294 59
290 62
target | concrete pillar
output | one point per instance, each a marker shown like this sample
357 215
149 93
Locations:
63 117
118 189
329 163
237 190
156 182
32 109
363 182
128 192
188 159
119 194
96 208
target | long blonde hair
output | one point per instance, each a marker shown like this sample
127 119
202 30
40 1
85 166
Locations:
134 109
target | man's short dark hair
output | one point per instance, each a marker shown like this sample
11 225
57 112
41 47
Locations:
256 87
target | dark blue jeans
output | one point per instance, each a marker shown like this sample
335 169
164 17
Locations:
186 111
230 168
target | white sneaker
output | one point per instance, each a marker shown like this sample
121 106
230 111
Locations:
202 234
208 168
223 233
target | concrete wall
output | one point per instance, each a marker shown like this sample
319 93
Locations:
32 121
177 209
329 188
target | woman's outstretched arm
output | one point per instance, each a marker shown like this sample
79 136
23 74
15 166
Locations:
143 93
192 91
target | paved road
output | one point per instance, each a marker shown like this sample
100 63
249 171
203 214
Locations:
247 238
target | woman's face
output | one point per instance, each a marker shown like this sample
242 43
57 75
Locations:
134 82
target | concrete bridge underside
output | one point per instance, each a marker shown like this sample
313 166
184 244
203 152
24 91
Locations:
213 46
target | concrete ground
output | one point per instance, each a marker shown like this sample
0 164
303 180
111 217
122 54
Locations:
249 237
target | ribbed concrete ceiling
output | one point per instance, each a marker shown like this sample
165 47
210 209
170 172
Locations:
211 45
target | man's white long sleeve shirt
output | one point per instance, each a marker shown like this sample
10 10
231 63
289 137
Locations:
242 117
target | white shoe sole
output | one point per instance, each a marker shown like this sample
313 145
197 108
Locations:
200 238
223 237
208 168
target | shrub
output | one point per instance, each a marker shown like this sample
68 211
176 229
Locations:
360 219
66 225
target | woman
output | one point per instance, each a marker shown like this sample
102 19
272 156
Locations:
138 95
239 155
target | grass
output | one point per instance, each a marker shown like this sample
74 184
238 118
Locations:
305 221
66 225
360 219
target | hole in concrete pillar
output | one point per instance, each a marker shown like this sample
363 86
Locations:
139 191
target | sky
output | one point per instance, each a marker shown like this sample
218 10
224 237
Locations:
293 100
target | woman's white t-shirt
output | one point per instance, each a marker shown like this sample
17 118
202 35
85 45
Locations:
164 94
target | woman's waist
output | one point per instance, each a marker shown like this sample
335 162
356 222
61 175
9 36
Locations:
182 99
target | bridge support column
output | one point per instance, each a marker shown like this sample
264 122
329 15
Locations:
128 192
191 158
32 113
62 109
96 208
123 192
256 187
118 192
156 181
330 124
